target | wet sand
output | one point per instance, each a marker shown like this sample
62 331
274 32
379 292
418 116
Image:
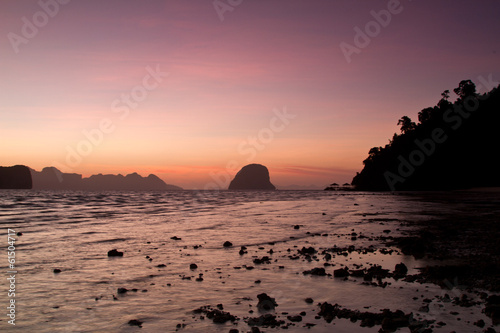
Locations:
451 275
294 261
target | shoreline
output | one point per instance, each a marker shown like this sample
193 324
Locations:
325 262
466 273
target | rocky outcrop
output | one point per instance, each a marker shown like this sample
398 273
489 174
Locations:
51 178
252 177
15 177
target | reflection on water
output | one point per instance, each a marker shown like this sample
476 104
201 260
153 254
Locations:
73 231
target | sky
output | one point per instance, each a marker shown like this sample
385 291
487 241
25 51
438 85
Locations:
194 90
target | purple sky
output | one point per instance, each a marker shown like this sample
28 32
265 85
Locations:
63 86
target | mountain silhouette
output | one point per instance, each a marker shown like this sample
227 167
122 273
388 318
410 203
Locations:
51 178
15 177
252 177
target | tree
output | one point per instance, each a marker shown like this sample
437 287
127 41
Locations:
406 124
425 115
465 88
374 152
445 94
394 138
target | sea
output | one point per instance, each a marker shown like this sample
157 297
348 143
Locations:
64 280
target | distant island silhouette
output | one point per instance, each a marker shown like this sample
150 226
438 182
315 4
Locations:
50 178
252 177
15 177
453 146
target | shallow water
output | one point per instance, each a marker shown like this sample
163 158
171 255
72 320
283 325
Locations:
73 231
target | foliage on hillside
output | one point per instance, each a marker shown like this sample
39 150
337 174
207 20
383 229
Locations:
453 145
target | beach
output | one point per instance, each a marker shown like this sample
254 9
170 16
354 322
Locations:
254 261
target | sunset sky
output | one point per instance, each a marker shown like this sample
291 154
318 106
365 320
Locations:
194 90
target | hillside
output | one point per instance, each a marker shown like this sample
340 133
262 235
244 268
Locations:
453 146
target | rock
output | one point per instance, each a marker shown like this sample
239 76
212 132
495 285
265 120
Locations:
480 323
394 320
307 250
295 319
121 290
252 177
218 316
309 300
135 322
115 253
234 330
319 271
176 238
266 302
227 244
415 246
15 177
57 270
400 271
193 266
389 320
296 227
492 308
358 273
378 272
266 320
263 260
424 308
341 272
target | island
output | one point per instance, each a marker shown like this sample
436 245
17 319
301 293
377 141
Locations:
453 146
252 177
15 177
50 178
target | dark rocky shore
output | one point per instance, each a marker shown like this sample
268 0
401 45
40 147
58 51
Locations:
471 235
461 242
468 237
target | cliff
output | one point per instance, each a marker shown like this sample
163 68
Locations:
252 177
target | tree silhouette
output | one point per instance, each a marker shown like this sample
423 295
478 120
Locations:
465 88
445 94
462 156
406 124
425 115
